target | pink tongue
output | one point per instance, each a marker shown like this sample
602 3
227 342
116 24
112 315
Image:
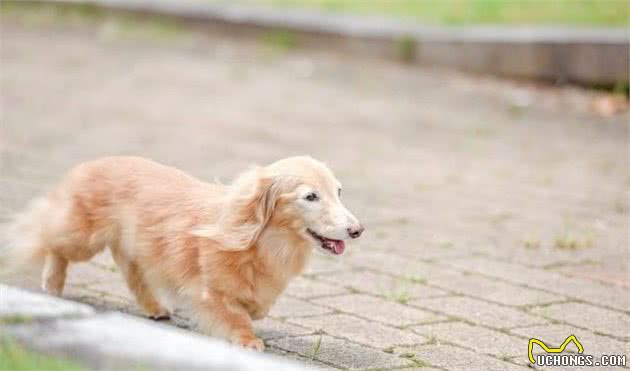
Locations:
339 247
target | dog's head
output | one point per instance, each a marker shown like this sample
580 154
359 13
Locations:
310 203
299 195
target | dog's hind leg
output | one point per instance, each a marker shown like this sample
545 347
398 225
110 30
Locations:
54 273
138 287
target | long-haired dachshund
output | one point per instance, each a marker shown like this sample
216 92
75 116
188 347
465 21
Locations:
229 250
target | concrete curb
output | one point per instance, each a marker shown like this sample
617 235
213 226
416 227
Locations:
119 341
577 55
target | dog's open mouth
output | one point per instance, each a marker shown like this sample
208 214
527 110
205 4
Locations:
334 246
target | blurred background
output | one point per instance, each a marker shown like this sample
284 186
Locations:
471 12
484 144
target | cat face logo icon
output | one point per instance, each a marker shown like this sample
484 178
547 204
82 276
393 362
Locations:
547 349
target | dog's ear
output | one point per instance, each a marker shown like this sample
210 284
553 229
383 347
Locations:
245 212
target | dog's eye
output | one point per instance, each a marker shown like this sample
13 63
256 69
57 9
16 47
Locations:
311 197
339 192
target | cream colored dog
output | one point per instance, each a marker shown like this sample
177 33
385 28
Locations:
229 250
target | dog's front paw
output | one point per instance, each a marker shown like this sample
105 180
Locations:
255 344
250 342
159 315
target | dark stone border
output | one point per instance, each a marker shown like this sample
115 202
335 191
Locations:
593 56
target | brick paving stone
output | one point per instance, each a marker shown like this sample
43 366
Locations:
102 301
554 335
290 307
479 339
434 274
104 259
326 264
339 352
612 273
492 290
308 288
112 288
432 247
270 328
383 285
377 309
479 312
544 257
98 279
80 293
493 366
600 320
30 282
360 330
454 358
443 252
85 274
296 357
587 290
398 265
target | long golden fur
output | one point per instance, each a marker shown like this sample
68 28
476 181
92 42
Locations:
229 250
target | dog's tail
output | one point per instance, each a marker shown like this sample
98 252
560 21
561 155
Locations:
21 239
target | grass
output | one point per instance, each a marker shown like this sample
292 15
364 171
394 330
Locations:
389 350
445 244
531 243
400 292
15 319
316 347
417 362
417 279
400 296
432 339
620 206
461 12
280 39
571 241
500 217
406 49
381 234
14 357
110 24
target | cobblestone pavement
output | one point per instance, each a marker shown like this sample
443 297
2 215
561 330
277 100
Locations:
495 211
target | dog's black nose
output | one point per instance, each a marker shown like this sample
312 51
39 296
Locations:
355 231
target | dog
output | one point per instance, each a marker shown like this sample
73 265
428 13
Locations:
229 250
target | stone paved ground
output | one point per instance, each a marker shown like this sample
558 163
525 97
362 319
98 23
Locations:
495 211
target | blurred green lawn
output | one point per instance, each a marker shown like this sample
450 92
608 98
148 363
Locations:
459 12
14 357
